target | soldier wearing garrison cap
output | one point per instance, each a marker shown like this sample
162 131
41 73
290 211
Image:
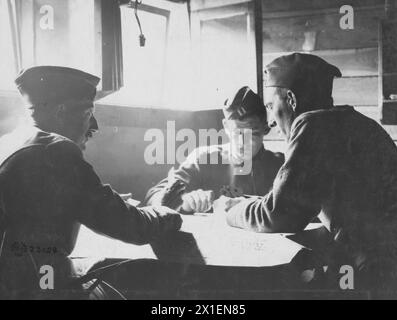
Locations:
196 184
340 166
47 189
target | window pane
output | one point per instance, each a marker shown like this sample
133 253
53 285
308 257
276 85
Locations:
7 65
143 66
227 58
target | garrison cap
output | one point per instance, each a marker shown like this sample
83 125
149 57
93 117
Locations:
53 84
244 104
299 72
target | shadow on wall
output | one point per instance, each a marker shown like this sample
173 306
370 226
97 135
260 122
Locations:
117 150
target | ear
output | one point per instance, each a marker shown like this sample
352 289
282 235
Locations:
60 113
291 100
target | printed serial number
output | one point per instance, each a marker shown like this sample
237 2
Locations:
220 309
20 248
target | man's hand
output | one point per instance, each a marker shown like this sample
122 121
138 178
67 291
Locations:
197 201
169 219
171 195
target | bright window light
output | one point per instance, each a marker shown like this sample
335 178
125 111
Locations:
227 58
7 63
143 66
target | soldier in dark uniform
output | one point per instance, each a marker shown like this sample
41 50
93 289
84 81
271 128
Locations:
340 166
197 182
47 189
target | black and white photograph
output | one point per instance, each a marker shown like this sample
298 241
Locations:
198 155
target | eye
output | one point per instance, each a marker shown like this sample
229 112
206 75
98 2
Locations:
89 113
269 106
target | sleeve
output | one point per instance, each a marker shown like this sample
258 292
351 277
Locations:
298 190
169 191
79 190
280 159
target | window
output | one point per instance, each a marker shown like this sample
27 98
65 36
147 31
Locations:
179 69
7 61
226 53
143 67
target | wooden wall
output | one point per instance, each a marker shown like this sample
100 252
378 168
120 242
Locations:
117 150
355 52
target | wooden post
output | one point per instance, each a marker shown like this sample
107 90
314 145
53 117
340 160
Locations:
259 45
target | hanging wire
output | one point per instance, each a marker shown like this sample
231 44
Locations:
142 39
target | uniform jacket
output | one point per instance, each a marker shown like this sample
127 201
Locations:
219 177
341 166
47 190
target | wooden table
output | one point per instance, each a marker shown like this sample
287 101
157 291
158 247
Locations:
203 239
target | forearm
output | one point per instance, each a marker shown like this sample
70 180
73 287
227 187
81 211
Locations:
170 190
251 215
109 215
155 195
267 216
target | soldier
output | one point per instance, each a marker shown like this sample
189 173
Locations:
47 189
340 165
194 185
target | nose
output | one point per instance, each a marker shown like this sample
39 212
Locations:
271 123
270 120
94 124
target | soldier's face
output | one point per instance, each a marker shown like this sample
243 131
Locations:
245 146
79 122
280 111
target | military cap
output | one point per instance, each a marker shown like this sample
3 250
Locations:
244 104
299 71
53 84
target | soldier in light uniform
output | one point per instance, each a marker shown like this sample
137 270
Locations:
340 166
47 189
197 181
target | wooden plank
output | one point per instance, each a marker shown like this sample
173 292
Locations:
208 4
140 117
322 30
356 91
223 12
259 46
351 62
274 135
392 131
372 112
271 6
275 145
360 91
274 142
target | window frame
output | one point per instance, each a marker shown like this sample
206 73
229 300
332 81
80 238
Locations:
201 16
163 13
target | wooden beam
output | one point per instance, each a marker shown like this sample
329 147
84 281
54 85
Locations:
259 45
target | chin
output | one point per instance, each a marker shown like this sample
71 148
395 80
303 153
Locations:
82 145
